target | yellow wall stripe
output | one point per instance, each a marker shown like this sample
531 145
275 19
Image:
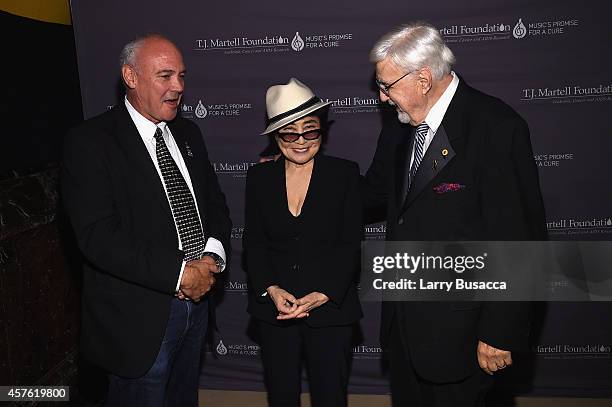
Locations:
51 11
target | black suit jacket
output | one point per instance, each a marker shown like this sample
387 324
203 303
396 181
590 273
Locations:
124 227
484 146
319 251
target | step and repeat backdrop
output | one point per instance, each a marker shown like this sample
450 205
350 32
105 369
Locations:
550 60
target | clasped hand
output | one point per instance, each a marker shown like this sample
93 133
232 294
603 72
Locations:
290 307
198 278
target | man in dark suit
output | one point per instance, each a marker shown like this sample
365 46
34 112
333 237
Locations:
153 226
457 165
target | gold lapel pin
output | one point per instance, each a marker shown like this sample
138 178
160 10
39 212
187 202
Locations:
444 152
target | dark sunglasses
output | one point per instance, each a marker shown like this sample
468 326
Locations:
293 137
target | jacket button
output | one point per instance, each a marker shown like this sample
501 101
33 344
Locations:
400 221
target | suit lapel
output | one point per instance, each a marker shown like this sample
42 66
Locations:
444 145
140 160
439 153
316 183
455 120
403 151
279 185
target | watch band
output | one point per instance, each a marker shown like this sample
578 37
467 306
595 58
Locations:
218 260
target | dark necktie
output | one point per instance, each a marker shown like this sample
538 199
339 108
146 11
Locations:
181 201
419 146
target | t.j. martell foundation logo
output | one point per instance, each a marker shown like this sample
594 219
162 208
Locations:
221 349
519 30
215 110
273 43
543 28
297 44
200 110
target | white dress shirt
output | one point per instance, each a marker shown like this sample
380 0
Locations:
146 129
437 112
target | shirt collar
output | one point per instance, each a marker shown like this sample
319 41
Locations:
146 128
438 110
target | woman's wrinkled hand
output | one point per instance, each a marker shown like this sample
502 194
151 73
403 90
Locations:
305 305
284 301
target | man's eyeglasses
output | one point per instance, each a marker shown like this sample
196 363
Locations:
293 137
387 88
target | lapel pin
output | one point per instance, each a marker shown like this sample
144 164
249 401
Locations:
188 149
435 164
444 152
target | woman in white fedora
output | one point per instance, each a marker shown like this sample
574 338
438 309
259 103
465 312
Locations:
302 238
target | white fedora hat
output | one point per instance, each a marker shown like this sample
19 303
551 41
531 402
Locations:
287 103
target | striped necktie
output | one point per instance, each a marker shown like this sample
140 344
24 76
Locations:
419 146
181 201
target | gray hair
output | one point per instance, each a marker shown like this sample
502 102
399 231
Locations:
415 46
128 53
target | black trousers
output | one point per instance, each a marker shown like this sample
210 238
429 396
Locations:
327 352
410 390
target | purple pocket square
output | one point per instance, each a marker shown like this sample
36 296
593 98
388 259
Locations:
447 187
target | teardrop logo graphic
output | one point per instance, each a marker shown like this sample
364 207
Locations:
519 29
200 110
221 349
297 43
609 222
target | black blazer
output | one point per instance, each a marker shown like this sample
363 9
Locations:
122 220
484 146
317 251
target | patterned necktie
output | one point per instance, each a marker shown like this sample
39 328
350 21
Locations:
181 201
419 145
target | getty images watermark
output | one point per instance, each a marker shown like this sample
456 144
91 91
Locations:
486 271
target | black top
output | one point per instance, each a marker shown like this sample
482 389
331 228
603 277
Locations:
315 251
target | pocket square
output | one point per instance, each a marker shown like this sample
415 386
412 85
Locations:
447 187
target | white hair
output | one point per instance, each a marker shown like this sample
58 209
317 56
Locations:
415 46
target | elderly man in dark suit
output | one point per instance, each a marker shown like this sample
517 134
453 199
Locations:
457 165
153 227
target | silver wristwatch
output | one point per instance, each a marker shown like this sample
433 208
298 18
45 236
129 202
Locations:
218 260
